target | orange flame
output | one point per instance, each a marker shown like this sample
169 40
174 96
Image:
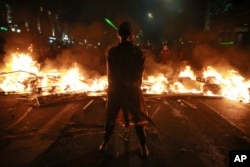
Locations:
23 75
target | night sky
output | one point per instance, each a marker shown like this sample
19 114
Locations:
170 17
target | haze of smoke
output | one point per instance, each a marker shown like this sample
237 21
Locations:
204 55
240 59
91 56
221 59
152 67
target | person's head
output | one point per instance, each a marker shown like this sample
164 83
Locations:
125 31
165 47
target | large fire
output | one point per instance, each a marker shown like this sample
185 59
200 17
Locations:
21 74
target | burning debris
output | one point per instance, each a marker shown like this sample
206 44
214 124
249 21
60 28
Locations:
22 75
41 100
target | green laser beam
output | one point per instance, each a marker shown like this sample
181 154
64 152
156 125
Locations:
227 43
3 28
110 23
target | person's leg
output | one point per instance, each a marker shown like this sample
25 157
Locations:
109 128
112 111
135 106
140 131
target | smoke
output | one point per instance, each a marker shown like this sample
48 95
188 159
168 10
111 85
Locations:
93 37
199 56
240 59
152 67
204 55
222 58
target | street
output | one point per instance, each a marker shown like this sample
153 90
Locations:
193 131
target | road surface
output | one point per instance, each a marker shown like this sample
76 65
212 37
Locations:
193 131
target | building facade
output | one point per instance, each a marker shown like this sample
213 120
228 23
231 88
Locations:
230 19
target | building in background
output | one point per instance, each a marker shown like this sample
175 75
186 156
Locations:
35 22
230 19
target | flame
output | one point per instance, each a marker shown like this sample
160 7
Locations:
23 75
24 67
21 61
234 86
155 84
187 72
212 75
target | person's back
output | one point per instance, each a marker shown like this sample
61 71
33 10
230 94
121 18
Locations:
125 66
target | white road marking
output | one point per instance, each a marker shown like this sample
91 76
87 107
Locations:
20 119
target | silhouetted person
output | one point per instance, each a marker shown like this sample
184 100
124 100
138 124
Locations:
163 56
125 66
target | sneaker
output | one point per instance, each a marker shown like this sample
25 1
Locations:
144 151
103 146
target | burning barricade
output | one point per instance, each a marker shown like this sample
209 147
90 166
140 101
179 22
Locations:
22 75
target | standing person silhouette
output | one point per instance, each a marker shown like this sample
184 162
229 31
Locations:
125 67
163 56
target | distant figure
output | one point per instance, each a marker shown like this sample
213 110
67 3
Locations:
125 66
163 56
2 44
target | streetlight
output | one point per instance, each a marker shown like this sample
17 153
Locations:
150 15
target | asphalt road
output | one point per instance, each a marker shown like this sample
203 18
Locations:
193 131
